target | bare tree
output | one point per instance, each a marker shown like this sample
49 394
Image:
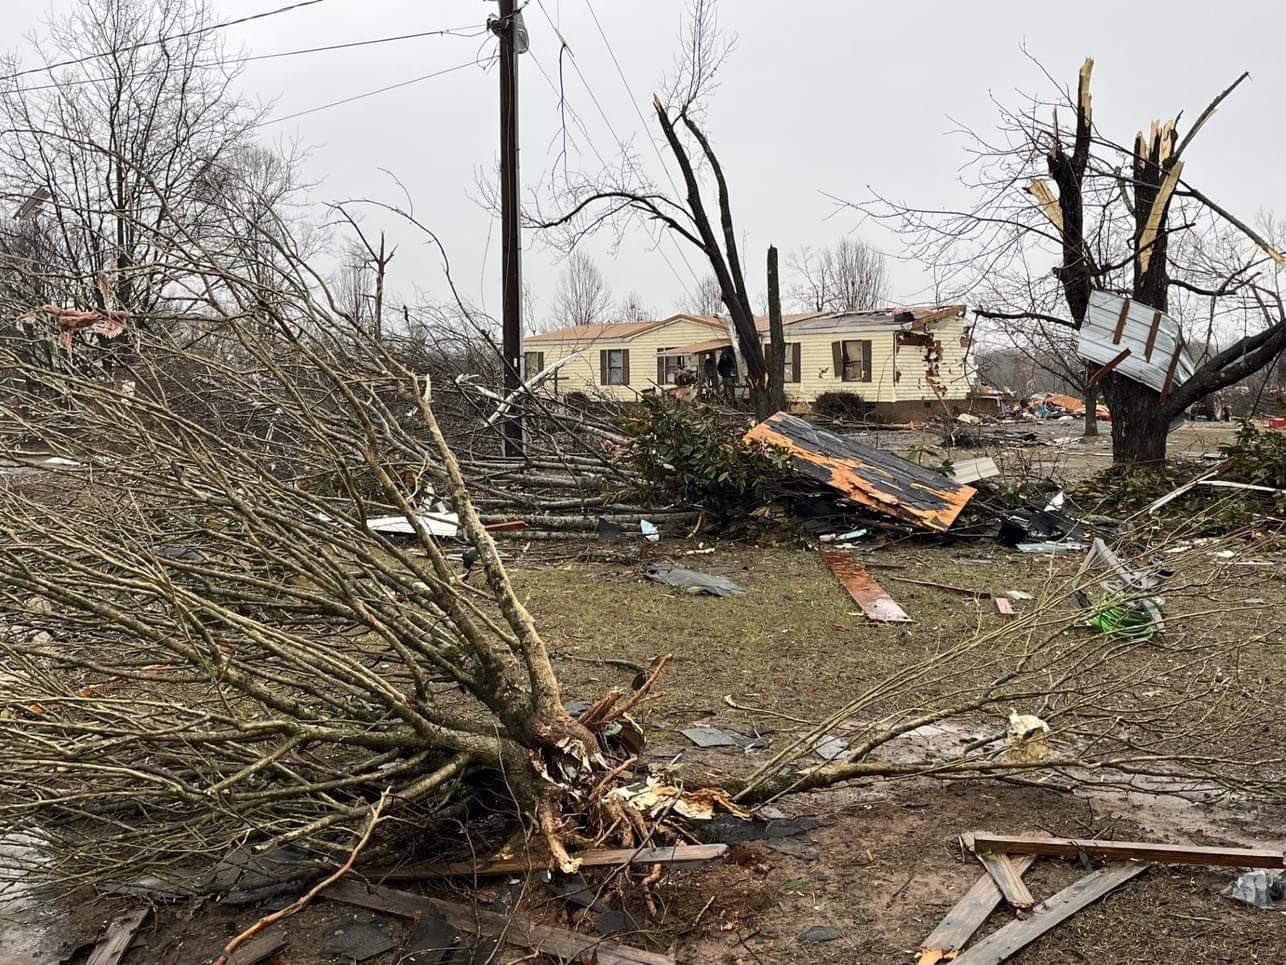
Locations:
594 202
126 126
582 296
1118 218
850 276
633 308
708 298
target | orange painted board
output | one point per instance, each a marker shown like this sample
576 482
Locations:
869 595
871 477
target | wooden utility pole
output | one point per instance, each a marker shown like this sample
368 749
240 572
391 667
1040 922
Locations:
510 238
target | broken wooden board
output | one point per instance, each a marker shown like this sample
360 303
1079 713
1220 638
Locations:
1008 879
869 595
966 917
1115 326
586 859
260 948
1124 850
1006 941
1004 607
120 933
870 477
557 942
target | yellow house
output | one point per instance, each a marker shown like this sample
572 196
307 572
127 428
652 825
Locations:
899 360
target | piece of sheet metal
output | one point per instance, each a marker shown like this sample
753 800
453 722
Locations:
1114 324
869 595
872 477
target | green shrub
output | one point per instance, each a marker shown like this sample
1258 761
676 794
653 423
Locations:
685 454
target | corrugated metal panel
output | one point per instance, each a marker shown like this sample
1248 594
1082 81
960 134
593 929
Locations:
1103 338
871 477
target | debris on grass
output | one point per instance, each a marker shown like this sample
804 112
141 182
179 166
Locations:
690 581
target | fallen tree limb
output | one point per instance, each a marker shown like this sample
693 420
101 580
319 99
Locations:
588 859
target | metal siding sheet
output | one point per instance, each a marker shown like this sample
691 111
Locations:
871 477
1096 344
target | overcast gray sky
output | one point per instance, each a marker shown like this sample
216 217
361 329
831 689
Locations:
815 98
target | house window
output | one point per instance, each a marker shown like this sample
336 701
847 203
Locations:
614 366
668 367
532 363
852 359
792 360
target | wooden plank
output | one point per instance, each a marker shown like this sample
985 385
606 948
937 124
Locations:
1004 607
1169 373
873 599
588 859
1152 335
1113 363
1120 850
116 942
1008 940
557 942
260 948
1121 320
966 917
1007 879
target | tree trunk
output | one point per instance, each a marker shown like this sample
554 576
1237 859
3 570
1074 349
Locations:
777 336
761 399
1091 403
1138 424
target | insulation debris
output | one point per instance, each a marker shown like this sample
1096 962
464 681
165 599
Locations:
691 581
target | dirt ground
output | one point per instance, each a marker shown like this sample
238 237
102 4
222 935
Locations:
883 863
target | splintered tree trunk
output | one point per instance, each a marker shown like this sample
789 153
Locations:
1091 403
1138 424
777 336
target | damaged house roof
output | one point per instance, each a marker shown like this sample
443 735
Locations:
872 477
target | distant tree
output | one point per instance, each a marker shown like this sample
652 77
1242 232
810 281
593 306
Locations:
847 277
708 298
582 296
633 309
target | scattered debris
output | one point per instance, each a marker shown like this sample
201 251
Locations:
971 470
1187 487
829 747
512 929
966 917
585 859
351 938
262 948
691 581
1008 878
869 595
1007 940
1257 888
1229 484
1003 606
947 587
1051 548
440 525
868 476
842 537
655 798
704 735
1128 609
649 530
1025 740
116 942
1125 850
1019 595
819 933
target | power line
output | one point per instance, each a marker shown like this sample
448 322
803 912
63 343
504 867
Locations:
162 40
370 93
621 146
473 30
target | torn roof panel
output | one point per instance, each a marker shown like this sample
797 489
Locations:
1114 324
871 477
